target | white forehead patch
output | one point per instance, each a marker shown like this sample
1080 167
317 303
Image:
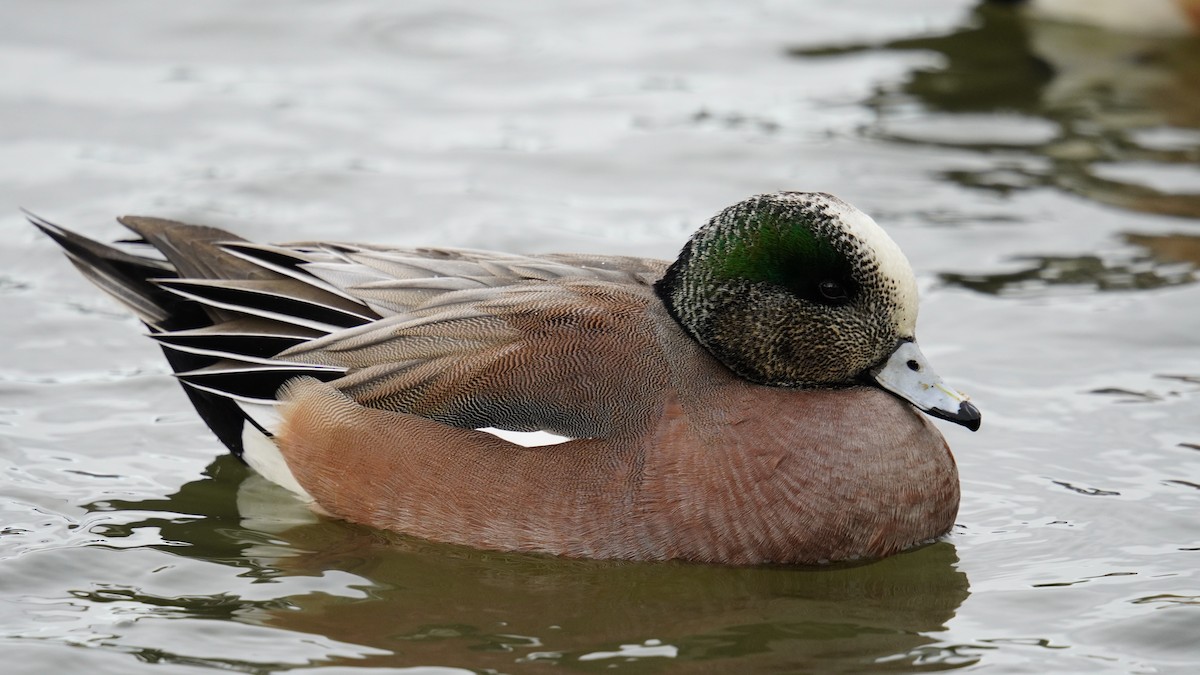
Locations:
892 263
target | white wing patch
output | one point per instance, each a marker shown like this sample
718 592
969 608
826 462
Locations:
528 439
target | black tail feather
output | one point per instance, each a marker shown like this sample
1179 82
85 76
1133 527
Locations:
201 334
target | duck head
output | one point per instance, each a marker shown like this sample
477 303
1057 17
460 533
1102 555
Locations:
801 289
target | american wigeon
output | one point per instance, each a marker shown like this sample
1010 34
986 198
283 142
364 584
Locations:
755 401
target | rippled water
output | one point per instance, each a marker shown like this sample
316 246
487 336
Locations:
1043 179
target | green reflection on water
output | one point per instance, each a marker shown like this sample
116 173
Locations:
416 602
1106 99
1167 260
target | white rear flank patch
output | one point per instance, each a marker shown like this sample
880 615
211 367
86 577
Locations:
265 414
261 453
528 439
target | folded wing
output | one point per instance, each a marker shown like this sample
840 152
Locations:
469 338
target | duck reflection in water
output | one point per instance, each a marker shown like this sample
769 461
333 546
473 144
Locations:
406 601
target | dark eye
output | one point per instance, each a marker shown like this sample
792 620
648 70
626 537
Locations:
832 292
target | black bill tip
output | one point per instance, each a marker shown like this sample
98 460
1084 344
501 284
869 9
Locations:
967 415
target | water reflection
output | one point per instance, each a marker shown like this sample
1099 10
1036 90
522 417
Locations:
1164 260
1169 248
1112 117
409 602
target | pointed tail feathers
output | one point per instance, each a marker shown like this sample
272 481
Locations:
221 308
